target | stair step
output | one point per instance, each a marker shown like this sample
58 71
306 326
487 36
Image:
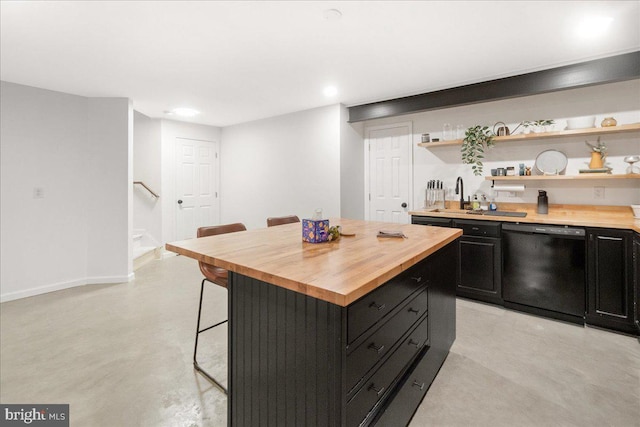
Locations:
143 255
142 250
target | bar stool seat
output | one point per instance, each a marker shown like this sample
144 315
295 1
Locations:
217 276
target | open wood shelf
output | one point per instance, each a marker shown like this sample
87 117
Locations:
545 135
585 176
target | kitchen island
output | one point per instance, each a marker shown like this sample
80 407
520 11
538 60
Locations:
341 333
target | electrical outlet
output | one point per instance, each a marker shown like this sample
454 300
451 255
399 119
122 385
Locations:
598 192
38 193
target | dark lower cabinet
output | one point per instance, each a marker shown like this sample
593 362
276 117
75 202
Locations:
479 269
610 282
636 279
435 221
295 360
479 274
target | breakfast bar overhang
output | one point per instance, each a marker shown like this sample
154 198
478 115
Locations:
342 333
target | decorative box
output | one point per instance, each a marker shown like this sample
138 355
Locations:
315 230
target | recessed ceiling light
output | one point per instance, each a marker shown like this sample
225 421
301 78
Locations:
332 14
330 91
184 112
593 26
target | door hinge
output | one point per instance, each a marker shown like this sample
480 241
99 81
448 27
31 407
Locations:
216 155
369 196
216 194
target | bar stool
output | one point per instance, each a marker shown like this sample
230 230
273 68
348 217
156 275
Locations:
279 220
217 276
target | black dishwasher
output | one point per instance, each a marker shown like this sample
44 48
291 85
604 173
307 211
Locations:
544 270
479 273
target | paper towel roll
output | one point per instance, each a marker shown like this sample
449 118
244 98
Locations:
519 188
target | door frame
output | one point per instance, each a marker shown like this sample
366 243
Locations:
217 173
365 155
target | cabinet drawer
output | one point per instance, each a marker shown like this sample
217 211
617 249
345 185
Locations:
377 346
376 387
472 227
413 388
364 313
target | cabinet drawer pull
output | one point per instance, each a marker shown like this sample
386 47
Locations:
377 390
413 310
378 349
416 343
378 306
416 383
417 279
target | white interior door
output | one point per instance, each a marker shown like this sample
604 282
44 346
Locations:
390 171
196 186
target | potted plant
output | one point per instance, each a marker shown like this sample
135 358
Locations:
535 126
476 139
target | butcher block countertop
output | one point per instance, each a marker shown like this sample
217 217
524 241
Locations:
573 215
339 272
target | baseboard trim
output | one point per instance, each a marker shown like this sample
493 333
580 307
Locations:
110 279
11 296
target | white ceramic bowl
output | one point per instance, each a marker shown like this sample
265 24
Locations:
636 210
581 122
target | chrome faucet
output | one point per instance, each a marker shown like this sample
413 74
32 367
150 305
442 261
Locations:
460 190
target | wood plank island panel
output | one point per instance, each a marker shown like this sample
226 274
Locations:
337 272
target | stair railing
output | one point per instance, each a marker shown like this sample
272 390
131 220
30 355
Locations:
153 193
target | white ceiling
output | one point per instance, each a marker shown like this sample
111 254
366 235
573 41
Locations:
241 61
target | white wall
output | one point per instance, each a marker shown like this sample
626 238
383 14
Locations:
109 190
43 138
280 166
147 167
621 100
351 167
63 144
170 130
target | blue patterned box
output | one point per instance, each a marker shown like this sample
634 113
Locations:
315 231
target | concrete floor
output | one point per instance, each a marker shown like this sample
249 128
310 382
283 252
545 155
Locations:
120 355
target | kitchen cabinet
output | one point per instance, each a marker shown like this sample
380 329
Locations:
479 268
610 281
636 269
413 385
425 220
479 273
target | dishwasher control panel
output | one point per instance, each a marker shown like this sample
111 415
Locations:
555 230
561 231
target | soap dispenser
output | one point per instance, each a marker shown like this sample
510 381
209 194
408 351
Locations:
475 205
543 202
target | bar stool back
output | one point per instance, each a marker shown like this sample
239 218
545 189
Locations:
279 220
217 276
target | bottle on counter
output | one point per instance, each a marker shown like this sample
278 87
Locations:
492 205
543 202
484 205
475 205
